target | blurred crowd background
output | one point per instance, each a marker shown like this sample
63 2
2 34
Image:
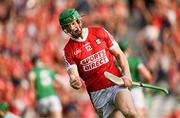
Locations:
31 27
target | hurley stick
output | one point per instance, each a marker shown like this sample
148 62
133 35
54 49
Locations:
118 81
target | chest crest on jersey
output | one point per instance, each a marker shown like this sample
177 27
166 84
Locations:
87 46
98 41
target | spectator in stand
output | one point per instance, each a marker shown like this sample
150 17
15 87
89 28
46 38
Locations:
4 111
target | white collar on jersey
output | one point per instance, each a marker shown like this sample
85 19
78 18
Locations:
84 35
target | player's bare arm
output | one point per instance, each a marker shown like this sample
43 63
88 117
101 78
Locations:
147 76
122 60
75 80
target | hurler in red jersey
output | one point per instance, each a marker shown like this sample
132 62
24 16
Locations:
92 57
88 54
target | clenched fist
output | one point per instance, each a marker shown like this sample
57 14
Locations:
127 81
75 83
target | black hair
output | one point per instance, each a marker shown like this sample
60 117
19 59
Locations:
34 59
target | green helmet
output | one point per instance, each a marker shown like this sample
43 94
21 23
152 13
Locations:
4 106
123 44
68 16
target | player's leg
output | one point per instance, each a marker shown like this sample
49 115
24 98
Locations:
142 112
56 114
103 101
42 107
124 102
108 101
55 107
138 97
116 114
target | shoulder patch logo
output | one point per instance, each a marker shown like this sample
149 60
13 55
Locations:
98 41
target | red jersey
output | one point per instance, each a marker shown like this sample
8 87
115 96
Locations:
92 57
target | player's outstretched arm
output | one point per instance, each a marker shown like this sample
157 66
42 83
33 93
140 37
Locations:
147 76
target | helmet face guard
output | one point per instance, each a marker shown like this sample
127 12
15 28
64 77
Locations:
68 16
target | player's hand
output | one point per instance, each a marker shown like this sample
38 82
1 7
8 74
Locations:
75 83
127 81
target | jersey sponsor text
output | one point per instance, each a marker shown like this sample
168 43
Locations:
94 60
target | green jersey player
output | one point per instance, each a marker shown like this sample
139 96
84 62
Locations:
42 88
137 69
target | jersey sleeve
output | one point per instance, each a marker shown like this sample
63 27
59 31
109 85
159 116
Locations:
138 62
109 39
68 59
